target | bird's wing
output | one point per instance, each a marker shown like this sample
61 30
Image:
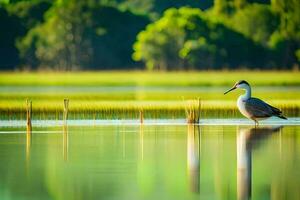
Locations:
275 110
258 108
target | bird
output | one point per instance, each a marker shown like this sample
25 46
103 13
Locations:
254 108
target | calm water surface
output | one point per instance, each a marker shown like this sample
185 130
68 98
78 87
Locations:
150 162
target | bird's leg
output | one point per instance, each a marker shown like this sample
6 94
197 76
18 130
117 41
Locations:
257 124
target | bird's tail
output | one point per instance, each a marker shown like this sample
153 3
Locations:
282 117
278 113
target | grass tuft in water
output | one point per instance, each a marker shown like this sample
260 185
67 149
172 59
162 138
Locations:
192 111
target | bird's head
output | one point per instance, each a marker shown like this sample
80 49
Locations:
240 84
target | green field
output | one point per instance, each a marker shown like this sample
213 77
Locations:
142 78
158 94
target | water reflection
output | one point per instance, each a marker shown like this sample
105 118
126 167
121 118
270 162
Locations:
28 143
65 141
28 128
161 162
193 157
247 140
141 147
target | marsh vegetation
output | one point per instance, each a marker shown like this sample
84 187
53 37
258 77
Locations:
121 95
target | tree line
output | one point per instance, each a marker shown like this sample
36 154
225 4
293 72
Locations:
152 34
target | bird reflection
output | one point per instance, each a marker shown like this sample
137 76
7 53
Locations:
193 157
247 140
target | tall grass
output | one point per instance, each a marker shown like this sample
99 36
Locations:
133 109
193 111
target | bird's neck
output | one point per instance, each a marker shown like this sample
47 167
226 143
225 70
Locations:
247 94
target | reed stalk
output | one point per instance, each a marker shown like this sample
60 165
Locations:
28 114
192 111
66 110
141 116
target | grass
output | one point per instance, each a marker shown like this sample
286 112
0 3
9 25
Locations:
131 109
267 94
142 78
94 95
193 111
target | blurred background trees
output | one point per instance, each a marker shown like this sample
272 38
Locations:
152 34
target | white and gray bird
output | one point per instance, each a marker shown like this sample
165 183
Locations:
254 108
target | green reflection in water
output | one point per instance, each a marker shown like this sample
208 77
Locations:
150 162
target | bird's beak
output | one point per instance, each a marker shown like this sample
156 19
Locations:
233 88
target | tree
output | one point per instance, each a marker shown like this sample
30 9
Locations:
289 11
220 6
28 15
247 21
160 43
286 40
59 41
239 4
97 37
113 37
186 38
8 52
157 7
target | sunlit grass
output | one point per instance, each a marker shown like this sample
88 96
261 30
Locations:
146 93
131 109
141 78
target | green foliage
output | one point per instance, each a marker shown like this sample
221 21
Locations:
287 37
18 19
198 52
160 43
298 55
10 29
157 7
115 34
30 13
247 20
283 49
234 33
104 34
220 6
4 2
240 3
186 38
91 39
289 11
60 42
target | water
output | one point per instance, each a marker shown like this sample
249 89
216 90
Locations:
169 161
148 122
